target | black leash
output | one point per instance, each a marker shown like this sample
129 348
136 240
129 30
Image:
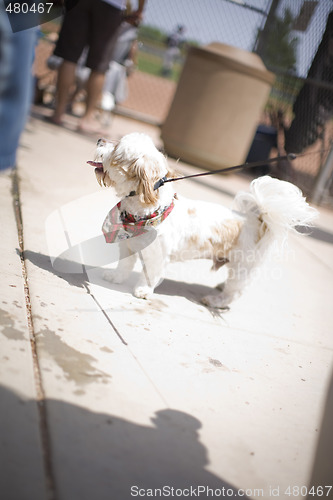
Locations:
164 180
289 157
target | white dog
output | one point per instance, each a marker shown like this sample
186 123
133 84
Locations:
188 229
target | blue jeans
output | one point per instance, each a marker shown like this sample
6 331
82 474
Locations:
16 84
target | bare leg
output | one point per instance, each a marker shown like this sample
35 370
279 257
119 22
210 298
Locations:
94 91
66 79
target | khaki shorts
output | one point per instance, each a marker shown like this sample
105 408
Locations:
91 23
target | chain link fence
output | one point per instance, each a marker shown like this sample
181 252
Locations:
294 39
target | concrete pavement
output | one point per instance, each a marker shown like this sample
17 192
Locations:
106 396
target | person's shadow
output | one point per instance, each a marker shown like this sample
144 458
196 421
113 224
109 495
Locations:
103 457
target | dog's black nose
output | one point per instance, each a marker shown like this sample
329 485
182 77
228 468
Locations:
100 141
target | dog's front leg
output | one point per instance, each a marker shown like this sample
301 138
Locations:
153 260
125 266
150 277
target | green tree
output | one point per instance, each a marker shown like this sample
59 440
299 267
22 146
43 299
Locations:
279 50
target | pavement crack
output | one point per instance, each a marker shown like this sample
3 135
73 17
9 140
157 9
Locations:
123 341
40 394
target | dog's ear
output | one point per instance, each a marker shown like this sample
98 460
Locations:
148 172
146 192
106 181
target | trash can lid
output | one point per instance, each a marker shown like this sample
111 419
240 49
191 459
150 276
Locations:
241 60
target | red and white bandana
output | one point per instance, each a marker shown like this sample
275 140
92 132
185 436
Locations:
120 225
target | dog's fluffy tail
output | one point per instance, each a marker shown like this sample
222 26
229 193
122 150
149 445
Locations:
280 205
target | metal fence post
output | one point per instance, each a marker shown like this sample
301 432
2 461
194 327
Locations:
322 178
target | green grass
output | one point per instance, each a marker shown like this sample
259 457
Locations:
149 63
152 64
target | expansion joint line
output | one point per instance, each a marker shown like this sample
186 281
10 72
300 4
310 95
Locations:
40 394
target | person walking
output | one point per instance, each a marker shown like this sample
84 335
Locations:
173 42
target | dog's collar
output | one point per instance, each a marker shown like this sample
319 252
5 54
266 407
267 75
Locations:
157 185
153 219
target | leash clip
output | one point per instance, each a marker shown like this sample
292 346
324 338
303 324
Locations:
160 183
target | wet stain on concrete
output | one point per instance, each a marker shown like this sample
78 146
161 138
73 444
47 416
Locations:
139 311
217 363
77 366
150 306
7 326
106 349
79 392
157 304
280 349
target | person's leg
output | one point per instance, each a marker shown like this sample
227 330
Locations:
65 82
73 38
94 91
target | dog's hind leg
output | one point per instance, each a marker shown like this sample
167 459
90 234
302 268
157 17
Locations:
238 277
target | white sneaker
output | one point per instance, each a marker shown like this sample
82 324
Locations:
107 102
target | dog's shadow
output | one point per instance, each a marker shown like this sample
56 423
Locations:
191 291
44 263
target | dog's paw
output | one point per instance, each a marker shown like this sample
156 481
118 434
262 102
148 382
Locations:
216 301
220 286
143 292
114 276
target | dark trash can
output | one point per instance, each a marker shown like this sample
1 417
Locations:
264 140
